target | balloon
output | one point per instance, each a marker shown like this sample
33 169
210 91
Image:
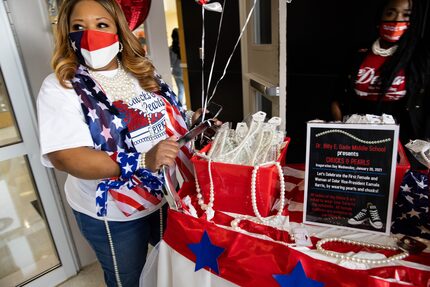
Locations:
135 11
202 2
216 7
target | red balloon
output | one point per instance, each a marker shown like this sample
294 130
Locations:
135 11
202 2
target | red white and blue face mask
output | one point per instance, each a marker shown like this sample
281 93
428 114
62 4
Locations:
392 31
93 48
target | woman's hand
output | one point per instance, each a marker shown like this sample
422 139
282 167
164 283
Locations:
196 116
163 153
198 113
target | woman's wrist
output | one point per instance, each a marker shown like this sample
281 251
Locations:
129 163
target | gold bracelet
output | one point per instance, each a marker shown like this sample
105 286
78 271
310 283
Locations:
142 164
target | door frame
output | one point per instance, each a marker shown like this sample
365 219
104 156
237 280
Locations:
23 107
248 103
156 36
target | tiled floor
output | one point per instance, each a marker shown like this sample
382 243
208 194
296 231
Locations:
90 276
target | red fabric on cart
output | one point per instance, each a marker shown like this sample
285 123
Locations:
249 261
279 235
275 234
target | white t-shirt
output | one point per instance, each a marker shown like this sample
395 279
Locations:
62 126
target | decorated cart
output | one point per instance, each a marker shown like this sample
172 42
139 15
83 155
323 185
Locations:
241 224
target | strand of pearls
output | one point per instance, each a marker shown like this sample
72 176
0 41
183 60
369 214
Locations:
377 50
200 200
151 129
343 256
276 218
258 148
208 208
352 136
112 250
119 87
264 151
141 161
235 225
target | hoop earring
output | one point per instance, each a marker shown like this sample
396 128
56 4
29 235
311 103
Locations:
121 47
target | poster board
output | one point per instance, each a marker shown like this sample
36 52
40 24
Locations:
349 176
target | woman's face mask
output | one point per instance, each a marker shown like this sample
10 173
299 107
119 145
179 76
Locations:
93 48
392 31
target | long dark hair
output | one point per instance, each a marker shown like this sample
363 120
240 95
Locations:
412 53
175 42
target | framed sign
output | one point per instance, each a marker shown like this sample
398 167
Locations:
350 172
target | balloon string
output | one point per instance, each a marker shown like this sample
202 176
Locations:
216 47
234 49
203 56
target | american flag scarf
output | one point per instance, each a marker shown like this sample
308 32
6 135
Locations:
411 211
136 189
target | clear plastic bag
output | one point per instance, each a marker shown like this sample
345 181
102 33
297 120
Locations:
420 150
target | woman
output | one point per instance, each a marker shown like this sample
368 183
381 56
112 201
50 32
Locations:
393 75
109 121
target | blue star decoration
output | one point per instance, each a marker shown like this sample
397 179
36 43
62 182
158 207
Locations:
296 278
206 253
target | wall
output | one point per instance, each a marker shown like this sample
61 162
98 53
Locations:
155 30
32 30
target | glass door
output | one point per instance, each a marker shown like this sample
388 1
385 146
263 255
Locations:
34 249
264 58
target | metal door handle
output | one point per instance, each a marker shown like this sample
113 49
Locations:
272 91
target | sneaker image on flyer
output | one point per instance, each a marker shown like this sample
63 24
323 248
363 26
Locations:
375 220
359 218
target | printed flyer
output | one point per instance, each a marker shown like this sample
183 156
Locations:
350 171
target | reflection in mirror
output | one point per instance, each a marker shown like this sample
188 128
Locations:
263 23
8 128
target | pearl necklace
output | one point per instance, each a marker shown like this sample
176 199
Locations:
200 200
352 136
119 87
208 208
274 221
254 193
112 250
377 50
278 225
339 255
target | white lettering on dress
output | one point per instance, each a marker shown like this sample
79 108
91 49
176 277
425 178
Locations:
367 75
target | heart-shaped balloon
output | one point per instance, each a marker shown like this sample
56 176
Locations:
135 11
